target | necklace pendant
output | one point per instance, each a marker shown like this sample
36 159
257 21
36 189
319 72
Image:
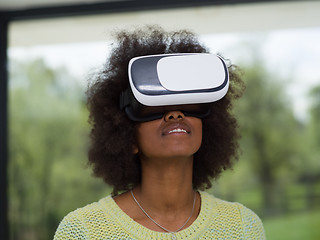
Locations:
173 236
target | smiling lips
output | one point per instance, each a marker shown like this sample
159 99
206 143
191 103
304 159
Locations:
176 129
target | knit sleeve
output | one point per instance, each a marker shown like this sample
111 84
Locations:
71 227
251 224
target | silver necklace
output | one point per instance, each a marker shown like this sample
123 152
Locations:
163 228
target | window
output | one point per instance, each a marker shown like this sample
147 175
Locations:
49 61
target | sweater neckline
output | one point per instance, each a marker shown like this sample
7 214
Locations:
141 232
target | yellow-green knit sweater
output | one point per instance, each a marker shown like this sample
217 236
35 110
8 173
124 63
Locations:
217 219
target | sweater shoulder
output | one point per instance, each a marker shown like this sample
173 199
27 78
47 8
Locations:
234 216
91 211
79 223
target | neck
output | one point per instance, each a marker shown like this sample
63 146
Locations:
166 187
165 194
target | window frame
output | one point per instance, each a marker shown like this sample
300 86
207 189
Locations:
8 16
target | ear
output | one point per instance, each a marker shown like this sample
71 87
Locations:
135 149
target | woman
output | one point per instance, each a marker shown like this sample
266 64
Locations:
159 167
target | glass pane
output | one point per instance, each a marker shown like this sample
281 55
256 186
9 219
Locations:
277 174
48 141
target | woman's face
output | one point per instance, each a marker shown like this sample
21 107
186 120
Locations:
174 135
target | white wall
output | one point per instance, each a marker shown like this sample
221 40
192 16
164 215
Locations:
201 20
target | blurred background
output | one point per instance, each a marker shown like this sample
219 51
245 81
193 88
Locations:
276 44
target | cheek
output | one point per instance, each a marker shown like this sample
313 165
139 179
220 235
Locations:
148 146
147 138
199 135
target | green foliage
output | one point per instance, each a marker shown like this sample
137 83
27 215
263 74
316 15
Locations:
48 144
270 144
314 128
270 132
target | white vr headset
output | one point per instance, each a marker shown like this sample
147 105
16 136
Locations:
187 82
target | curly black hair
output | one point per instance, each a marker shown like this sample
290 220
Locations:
113 134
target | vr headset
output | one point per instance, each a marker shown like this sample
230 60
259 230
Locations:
187 82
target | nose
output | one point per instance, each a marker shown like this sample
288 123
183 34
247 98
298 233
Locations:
173 116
